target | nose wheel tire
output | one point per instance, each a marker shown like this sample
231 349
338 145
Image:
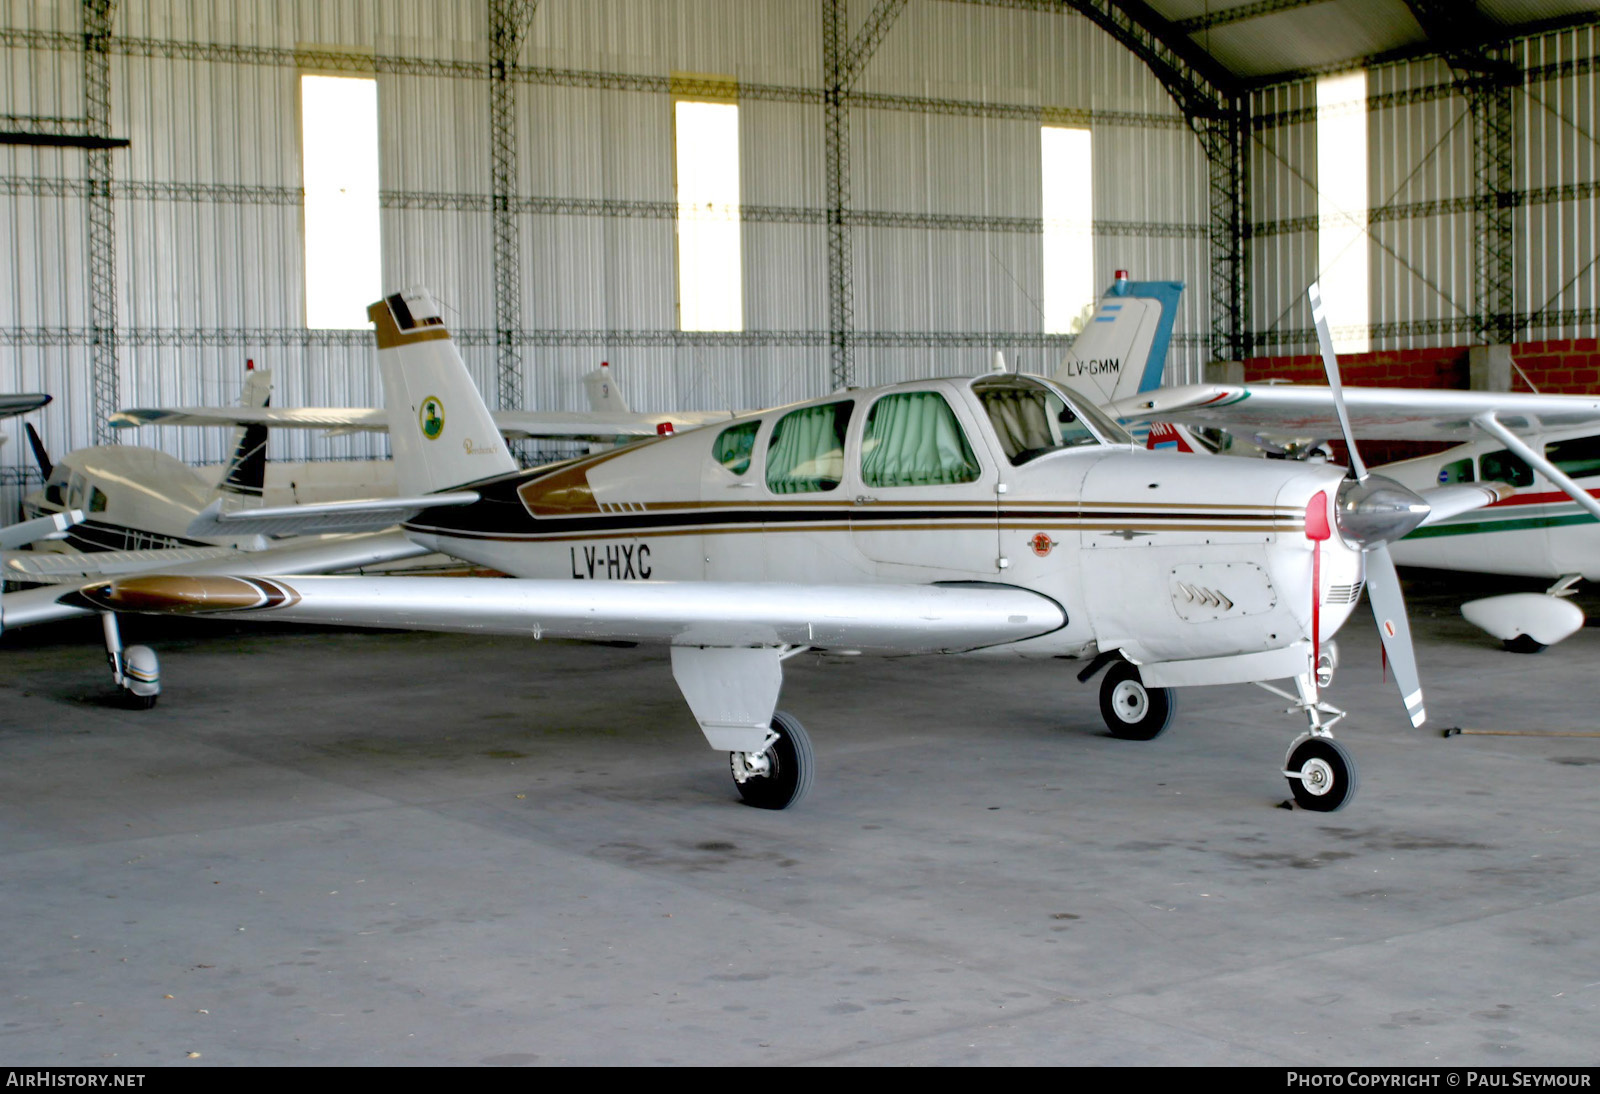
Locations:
1321 774
1131 710
781 775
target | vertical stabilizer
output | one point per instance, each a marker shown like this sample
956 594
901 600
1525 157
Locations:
244 476
1123 349
605 397
441 432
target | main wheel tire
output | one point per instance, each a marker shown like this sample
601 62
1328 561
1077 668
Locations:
1327 775
1523 643
135 701
1131 710
790 767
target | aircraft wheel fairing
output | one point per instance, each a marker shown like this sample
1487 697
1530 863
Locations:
1322 774
1133 711
781 775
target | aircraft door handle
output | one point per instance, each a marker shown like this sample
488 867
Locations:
864 499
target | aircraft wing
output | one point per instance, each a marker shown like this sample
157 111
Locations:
877 618
342 419
516 424
27 531
308 555
12 405
1411 414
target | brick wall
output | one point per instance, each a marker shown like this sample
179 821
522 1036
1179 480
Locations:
1569 366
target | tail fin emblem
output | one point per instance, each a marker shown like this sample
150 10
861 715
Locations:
431 418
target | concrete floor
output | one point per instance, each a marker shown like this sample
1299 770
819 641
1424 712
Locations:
344 848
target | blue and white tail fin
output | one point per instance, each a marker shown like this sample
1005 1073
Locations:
441 432
1123 349
244 476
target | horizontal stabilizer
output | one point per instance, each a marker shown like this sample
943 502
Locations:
368 514
874 618
574 425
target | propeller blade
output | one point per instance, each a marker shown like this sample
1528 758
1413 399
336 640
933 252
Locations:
1330 365
40 456
1389 608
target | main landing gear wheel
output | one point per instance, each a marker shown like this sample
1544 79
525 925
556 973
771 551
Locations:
1322 774
1131 710
779 776
1523 643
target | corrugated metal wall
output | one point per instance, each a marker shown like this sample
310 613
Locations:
1425 203
944 197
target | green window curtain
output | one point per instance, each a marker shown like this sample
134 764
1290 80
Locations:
913 439
807 449
734 446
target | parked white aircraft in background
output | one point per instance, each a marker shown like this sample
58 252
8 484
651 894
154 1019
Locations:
992 515
13 536
138 508
1544 448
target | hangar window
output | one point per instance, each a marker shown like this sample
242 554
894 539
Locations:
1342 208
913 439
806 453
1504 466
710 293
339 171
1578 458
1066 184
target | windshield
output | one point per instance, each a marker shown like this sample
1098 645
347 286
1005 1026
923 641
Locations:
1032 418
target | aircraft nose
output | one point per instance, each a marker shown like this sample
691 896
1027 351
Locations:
1377 510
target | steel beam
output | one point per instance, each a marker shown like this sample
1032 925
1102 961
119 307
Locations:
100 236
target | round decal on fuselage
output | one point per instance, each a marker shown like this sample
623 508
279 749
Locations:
431 417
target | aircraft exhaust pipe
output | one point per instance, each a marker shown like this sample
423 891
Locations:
1376 510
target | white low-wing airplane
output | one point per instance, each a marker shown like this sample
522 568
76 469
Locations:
1545 449
991 515
123 509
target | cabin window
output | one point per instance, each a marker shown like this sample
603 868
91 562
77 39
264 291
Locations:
913 439
1504 466
53 492
734 446
1456 471
75 492
1031 420
806 453
97 500
1578 458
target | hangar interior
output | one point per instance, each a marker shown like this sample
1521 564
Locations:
888 204
337 847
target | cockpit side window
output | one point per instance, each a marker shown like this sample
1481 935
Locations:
1504 466
734 446
55 489
97 500
1030 420
913 439
1456 471
1578 458
806 453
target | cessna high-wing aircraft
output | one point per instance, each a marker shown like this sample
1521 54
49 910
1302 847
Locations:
993 515
1545 449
